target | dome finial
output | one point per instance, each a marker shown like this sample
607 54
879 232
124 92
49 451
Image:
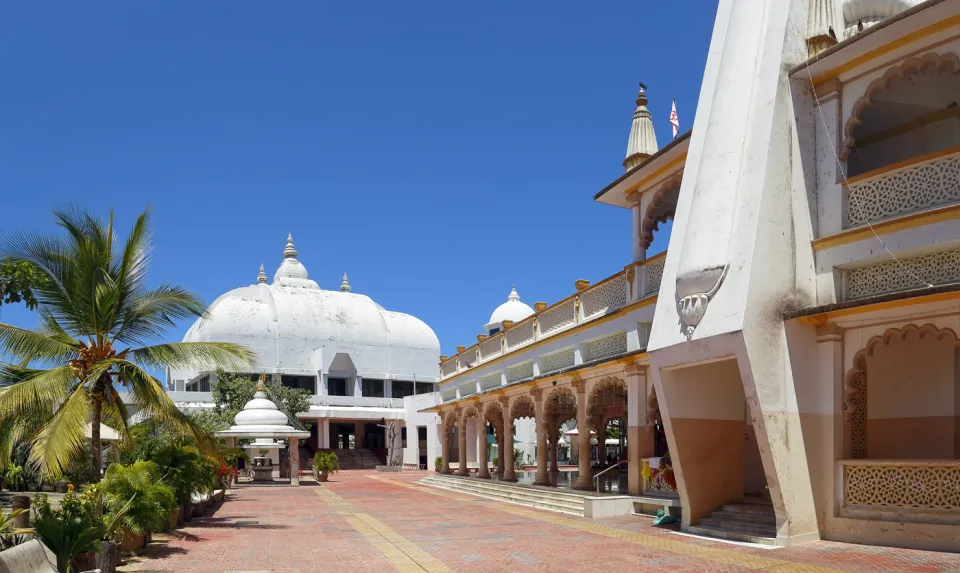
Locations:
643 141
513 294
262 277
260 385
345 285
290 252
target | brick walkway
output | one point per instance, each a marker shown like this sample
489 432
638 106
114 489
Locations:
364 521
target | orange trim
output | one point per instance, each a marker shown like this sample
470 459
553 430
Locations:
901 164
911 221
653 259
887 48
824 317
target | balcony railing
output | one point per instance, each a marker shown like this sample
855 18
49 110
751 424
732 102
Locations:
903 274
902 490
638 281
902 188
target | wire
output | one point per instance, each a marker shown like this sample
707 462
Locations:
846 184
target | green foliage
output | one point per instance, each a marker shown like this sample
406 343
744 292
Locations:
326 463
150 500
231 392
17 283
96 312
10 534
612 432
517 459
185 469
438 462
67 532
496 461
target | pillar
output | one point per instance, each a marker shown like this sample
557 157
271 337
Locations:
359 433
323 433
639 441
509 473
445 447
293 447
462 448
585 476
636 217
542 478
501 453
484 471
554 449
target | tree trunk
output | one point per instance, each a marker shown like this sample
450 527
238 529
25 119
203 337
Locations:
109 557
95 437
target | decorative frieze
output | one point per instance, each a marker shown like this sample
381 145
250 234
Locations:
930 485
903 274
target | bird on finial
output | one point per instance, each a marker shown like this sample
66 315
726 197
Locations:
290 251
642 94
260 385
345 286
262 277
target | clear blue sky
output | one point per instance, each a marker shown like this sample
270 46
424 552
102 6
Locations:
438 152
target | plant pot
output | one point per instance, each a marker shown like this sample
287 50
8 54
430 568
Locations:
174 521
436 470
322 477
196 509
85 562
108 559
131 542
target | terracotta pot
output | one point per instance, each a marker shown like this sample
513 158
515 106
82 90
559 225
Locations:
174 520
322 477
131 542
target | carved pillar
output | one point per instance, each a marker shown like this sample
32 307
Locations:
509 474
585 476
462 447
541 478
483 456
445 445
500 453
554 448
293 445
639 441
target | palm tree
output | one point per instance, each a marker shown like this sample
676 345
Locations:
96 316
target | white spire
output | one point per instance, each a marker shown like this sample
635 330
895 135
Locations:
513 294
290 252
825 21
643 141
291 272
345 285
262 277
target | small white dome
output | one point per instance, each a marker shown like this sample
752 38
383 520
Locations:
260 412
513 310
870 12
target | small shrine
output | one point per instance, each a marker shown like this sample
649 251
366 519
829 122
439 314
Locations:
261 420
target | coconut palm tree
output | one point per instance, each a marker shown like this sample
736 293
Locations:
97 317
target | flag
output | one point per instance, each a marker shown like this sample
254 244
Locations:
674 120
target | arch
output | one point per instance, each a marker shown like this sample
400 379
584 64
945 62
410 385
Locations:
855 384
608 400
450 419
653 408
469 412
661 209
912 66
522 407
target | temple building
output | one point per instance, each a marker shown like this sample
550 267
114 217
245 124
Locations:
362 365
788 370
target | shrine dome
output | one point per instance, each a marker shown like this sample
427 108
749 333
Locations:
295 327
512 310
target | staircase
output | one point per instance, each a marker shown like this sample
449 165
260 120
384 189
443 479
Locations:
532 497
357 459
752 521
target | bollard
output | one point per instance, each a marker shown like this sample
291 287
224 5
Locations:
21 502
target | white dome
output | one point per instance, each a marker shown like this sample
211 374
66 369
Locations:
260 412
513 310
870 12
294 326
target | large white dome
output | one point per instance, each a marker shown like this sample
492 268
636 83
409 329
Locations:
296 327
513 310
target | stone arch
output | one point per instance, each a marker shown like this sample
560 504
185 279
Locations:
450 419
912 66
661 209
469 412
653 408
522 407
855 384
560 406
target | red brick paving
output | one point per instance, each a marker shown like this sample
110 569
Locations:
301 531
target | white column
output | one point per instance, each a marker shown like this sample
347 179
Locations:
357 386
639 251
636 419
471 427
323 433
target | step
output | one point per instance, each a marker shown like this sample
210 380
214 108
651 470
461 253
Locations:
761 530
753 509
539 504
472 486
730 535
476 483
745 517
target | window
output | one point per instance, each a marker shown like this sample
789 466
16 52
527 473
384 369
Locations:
201 384
403 437
372 388
424 387
337 386
422 433
292 381
402 389
494 331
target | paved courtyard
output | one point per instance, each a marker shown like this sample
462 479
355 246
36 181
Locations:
363 521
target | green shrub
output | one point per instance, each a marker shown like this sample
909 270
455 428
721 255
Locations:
67 532
138 484
438 462
326 463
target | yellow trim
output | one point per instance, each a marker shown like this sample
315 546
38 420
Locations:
665 169
486 397
887 48
653 259
824 317
580 327
901 164
911 221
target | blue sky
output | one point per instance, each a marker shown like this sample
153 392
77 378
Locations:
438 152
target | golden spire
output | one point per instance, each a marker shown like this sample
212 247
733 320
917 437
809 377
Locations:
260 386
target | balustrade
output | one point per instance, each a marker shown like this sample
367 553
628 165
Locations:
924 488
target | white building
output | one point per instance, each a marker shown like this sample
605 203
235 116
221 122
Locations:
361 363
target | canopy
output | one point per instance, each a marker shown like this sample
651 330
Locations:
107 434
574 432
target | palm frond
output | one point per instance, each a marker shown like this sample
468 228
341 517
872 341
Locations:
32 389
198 355
62 437
22 343
151 312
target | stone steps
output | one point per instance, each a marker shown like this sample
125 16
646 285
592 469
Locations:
751 522
357 459
542 499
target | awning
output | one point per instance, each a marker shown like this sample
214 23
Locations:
107 434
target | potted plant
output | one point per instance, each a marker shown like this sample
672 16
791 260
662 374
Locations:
325 463
69 532
437 464
150 500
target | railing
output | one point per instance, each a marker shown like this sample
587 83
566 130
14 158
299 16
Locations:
591 303
596 476
903 274
928 487
906 187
